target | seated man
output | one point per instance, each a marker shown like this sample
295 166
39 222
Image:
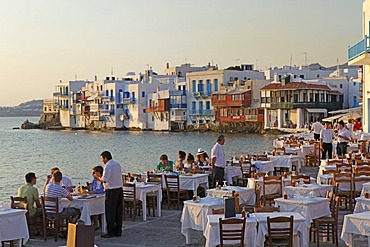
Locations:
66 182
97 187
32 194
55 190
165 164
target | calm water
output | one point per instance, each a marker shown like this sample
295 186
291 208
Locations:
76 152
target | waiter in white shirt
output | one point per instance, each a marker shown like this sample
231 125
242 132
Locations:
316 128
326 140
343 138
112 179
218 160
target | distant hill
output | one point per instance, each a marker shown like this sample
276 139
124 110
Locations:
29 108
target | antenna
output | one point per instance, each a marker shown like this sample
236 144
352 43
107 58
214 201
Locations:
111 71
76 76
305 58
257 64
186 61
291 60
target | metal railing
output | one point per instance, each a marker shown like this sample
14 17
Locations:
201 112
358 49
291 105
177 105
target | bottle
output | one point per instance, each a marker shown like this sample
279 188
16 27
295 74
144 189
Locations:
243 213
79 188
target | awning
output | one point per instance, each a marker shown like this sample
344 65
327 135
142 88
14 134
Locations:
332 118
317 110
93 97
346 110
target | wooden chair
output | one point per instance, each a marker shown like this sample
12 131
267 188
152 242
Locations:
130 202
257 194
268 182
174 193
295 145
336 161
328 172
358 180
313 159
259 174
297 178
344 167
280 236
217 211
266 209
232 229
325 225
51 218
279 151
152 197
246 173
344 183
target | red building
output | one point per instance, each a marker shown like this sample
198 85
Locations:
234 106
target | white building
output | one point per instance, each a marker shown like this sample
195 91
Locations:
202 84
359 55
183 69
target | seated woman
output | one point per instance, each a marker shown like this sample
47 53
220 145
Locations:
180 160
189 163
165 164
202 158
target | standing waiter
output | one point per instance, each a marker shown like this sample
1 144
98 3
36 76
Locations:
218 160
112 179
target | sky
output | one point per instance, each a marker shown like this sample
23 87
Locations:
43 41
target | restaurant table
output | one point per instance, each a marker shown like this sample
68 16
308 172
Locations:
231 172
263 166
95 205
362 205
141 191
324 163
271 188
309 208
286 161
299 226
307 149
308 190
246 195
194 214
365 188
212 231
13 225
355 224
191 182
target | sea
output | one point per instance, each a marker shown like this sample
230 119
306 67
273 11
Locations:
75 153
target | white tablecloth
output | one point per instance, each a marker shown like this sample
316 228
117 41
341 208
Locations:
286 161
362 205
263 166
88 207
232 171
191 182
355 224
298 225
212 231
307 149
308 190
310 208
246 195
13 225
141 191
194 215
365 188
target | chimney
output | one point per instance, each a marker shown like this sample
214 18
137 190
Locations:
96 78
276 77
168 65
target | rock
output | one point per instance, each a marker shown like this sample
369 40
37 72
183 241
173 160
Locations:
29 125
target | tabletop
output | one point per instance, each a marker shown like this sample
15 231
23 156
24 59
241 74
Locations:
13 225
358 223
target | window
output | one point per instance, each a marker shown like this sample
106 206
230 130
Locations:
340 85
354 84
318 76
209 86
194 86
215 82
301 76
143 94
200 86
194 105
208 105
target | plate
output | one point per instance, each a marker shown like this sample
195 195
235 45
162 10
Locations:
189 174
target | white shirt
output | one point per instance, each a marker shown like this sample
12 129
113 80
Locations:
317 127
112 175
327 135
218 152
65 182
343 132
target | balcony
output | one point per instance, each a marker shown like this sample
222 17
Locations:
178 118
178 106
178 93
126 101
291 105
201 113
358 54
161 108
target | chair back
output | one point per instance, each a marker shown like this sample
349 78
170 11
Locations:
335 161
259 174
344 181
272 185
279 151
129 192
246 169
50 206
297 178
344 167
266 209
280 233
257 193
18 202
358 180
172 182
335 208
232 229
154 178
217 211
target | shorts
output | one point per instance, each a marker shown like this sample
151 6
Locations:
69 212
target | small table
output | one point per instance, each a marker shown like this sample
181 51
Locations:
309 190
246 195
212 231
298 225
232 171
355 224
362 205
194 214
13 225
88 207
286 161
191 182
309 208
141 191
263 166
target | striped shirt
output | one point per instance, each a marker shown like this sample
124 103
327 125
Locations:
56 191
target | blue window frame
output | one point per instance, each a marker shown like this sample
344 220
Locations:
215 81
194 105
200 86
208 105
142 94
194 86
209 86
